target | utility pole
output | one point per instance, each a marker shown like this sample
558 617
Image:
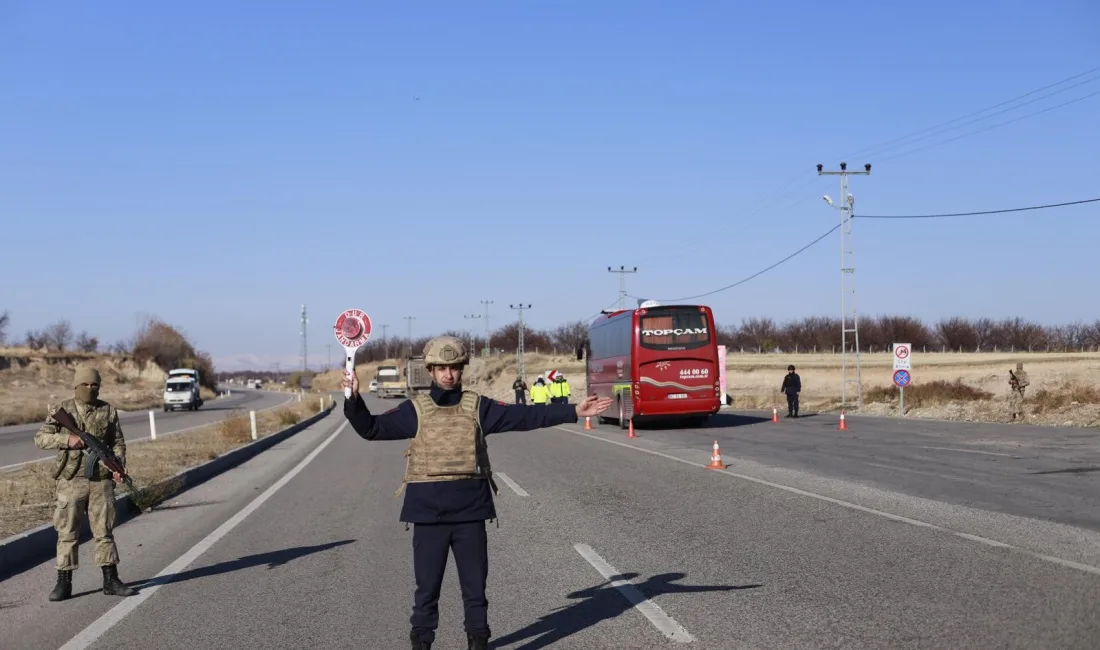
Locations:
622 271
474 317
304 348
519 351
488 332
409 320
847 280
385 345
328 364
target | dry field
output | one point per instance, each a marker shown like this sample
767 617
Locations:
26 493
31 381
1065 387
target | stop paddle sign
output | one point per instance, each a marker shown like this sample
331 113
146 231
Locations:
352 330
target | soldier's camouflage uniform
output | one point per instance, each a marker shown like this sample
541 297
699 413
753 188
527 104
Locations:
1016 394
78 497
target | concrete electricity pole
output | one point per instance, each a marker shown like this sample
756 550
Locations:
622 271
847 279
409 320
304 348
474 317
488 332
519 351
385 344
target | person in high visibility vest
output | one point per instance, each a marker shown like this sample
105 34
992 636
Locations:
559 390
540 394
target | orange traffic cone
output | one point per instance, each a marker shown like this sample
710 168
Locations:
630 433
716 458
843 425
587 423
775 414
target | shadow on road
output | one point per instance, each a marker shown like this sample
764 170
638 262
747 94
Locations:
180 506
272 559
716 421
597 604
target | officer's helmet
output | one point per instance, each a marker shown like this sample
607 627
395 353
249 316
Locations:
445 351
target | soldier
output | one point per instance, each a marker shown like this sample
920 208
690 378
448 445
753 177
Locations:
792 386
449 479
78 497
1017 382
520 386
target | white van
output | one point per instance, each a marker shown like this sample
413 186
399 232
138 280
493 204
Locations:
181 392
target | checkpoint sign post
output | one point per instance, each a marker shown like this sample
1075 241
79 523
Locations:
352 330
903 367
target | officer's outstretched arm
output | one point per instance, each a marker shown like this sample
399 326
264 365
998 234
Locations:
497 417
395 424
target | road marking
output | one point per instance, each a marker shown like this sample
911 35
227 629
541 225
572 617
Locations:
512 484
100 626
971 451
662 621
137 440
1087 568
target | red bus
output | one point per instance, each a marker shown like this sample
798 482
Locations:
655 361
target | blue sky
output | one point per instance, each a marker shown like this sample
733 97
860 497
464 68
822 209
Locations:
219 164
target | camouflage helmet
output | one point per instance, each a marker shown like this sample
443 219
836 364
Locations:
445 351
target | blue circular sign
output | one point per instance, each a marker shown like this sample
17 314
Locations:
902 378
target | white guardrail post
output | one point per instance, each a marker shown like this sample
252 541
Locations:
252 419
152 425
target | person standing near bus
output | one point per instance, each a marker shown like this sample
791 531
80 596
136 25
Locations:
559 390
792 386
540 394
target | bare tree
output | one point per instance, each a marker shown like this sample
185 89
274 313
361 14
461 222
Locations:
59 335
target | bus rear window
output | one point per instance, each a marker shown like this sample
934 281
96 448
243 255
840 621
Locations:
674 329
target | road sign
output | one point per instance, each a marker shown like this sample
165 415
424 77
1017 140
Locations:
903 354
902 378
352 330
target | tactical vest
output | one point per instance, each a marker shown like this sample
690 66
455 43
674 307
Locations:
92 420
449 444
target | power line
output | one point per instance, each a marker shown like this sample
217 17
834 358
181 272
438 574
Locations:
970 214
833 229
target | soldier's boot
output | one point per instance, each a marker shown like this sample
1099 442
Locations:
477 641
63 590
417 644
112 586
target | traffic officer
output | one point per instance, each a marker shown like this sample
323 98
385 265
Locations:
448 478
559 390
540 394
78 496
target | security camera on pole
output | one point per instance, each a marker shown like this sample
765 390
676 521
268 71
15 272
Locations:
903 376
352 331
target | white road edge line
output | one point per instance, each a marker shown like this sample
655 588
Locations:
129 441
1087 568
662 621
512 484
970 451
104 623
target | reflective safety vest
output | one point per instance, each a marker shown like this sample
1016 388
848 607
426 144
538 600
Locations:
559 389
540 394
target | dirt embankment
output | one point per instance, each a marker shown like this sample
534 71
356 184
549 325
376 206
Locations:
31 381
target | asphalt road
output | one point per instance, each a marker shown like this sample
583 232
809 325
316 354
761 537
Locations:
609 542
17 441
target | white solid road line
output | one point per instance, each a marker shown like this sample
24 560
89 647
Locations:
104 623
971 451
662 621
1087 568
512 484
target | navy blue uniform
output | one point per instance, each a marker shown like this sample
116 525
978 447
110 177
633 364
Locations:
792 385
449 516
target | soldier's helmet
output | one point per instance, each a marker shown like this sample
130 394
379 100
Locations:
445 351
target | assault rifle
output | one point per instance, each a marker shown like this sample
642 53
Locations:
97 451
1013 381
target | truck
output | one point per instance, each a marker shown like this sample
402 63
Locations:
390 382
181 391
417 377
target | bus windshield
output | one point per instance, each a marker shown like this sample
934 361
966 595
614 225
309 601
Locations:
674 328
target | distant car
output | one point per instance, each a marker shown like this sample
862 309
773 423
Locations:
373 387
